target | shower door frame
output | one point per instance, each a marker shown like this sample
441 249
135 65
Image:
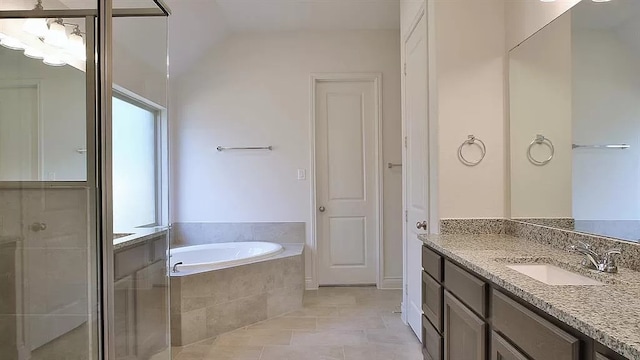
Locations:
99 90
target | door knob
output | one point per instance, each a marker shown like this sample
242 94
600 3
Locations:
36 226
421 225
322 209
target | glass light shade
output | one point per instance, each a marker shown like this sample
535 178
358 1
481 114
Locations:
76 47
34 53
36 27
12 43
2 36
57 35
53 60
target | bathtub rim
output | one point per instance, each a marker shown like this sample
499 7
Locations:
288 250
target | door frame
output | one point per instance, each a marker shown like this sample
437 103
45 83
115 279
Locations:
426 11
313 281
32 83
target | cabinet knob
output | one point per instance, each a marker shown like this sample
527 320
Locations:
421 225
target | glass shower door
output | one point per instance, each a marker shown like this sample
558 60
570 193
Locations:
48 239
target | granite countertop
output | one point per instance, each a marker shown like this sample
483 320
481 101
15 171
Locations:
129 238
609 313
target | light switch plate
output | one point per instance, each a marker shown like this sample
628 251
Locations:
302 174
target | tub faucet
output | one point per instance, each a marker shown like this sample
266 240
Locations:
592 260
175 267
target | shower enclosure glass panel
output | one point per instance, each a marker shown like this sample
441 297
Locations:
140 188
49 296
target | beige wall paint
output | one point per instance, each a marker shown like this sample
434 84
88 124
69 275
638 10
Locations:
540 95
526 17
469 57
255 90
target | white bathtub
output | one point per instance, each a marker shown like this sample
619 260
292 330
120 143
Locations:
207 257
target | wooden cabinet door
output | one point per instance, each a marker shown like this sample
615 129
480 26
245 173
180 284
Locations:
125 318
464 332
152 306
502 350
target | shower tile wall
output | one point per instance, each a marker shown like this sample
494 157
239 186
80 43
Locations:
49 270
210 232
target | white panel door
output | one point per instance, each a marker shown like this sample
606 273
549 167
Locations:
19 144
416 169
346 113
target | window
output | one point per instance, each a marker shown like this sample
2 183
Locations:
135 164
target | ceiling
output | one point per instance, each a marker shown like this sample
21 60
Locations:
205 23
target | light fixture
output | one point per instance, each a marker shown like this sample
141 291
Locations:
76 44
600 1
12 43
57 34
53 60
36 26
33 53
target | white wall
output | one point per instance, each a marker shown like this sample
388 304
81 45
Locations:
470 52
62 112
606 111
540 95
255 90
526 17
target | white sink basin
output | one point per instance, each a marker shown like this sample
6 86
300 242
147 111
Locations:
553 275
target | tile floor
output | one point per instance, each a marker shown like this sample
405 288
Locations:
335 324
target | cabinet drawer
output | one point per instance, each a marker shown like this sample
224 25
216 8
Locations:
431 341
468 288
502 350
432 263
537 337
128 261
432 301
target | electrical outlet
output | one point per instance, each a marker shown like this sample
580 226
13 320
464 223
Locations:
302 174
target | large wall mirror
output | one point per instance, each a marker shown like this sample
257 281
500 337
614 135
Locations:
575 122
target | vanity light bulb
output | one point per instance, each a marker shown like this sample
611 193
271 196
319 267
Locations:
12 43
57 35
36 27
53 60
34 53
76 47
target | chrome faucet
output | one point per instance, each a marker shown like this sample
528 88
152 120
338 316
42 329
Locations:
592 260
175 267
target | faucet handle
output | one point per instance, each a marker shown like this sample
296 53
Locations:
614 251
584 245
609 262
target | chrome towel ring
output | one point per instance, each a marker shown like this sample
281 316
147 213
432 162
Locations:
472 140
541 140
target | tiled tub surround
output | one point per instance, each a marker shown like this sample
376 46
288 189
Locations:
608 313
184 234
207 304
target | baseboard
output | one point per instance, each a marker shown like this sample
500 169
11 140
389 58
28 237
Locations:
309 284
391 283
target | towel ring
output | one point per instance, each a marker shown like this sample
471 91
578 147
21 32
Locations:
472 140
540 140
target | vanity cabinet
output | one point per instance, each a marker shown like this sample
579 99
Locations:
464 331
502 350
141 298
467 317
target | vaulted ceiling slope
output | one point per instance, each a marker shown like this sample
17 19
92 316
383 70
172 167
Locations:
198 25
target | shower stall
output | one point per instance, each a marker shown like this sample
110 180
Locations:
83 180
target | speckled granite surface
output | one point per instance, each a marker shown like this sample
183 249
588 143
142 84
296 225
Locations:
138 236
472 226
562 239
609 313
